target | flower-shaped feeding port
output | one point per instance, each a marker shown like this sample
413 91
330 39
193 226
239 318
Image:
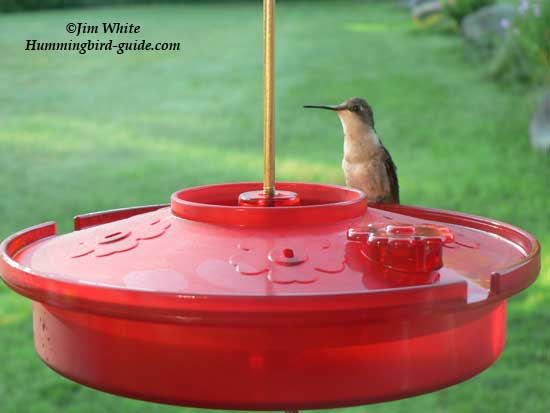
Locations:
108 242
280 261
403 247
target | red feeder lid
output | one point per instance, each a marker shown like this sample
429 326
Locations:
329 303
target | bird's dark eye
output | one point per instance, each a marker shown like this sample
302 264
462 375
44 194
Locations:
355 108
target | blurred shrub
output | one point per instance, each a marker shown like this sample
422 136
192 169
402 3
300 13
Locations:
458 9
525 55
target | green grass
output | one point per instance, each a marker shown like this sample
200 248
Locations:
100 131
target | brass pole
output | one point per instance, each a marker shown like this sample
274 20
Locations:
269 97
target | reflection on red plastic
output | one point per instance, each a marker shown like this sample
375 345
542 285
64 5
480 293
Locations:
260 199
403 247
397 279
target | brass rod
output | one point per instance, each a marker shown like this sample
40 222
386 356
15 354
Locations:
269 97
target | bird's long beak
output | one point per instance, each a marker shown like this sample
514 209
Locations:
329 107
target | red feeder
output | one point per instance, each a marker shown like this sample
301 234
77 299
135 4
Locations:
328 303
248 297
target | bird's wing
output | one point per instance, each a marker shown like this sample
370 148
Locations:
391 170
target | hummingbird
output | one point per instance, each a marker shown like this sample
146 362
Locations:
367 164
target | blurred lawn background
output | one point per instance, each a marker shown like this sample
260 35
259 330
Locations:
81 133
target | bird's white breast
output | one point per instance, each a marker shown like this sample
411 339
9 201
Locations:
364 159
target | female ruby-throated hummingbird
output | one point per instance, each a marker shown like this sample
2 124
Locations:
367 164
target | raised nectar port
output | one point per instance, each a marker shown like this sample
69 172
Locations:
403 247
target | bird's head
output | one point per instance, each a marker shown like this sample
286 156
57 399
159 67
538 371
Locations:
354 113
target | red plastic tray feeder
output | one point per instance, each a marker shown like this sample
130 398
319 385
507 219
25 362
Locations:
327 303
